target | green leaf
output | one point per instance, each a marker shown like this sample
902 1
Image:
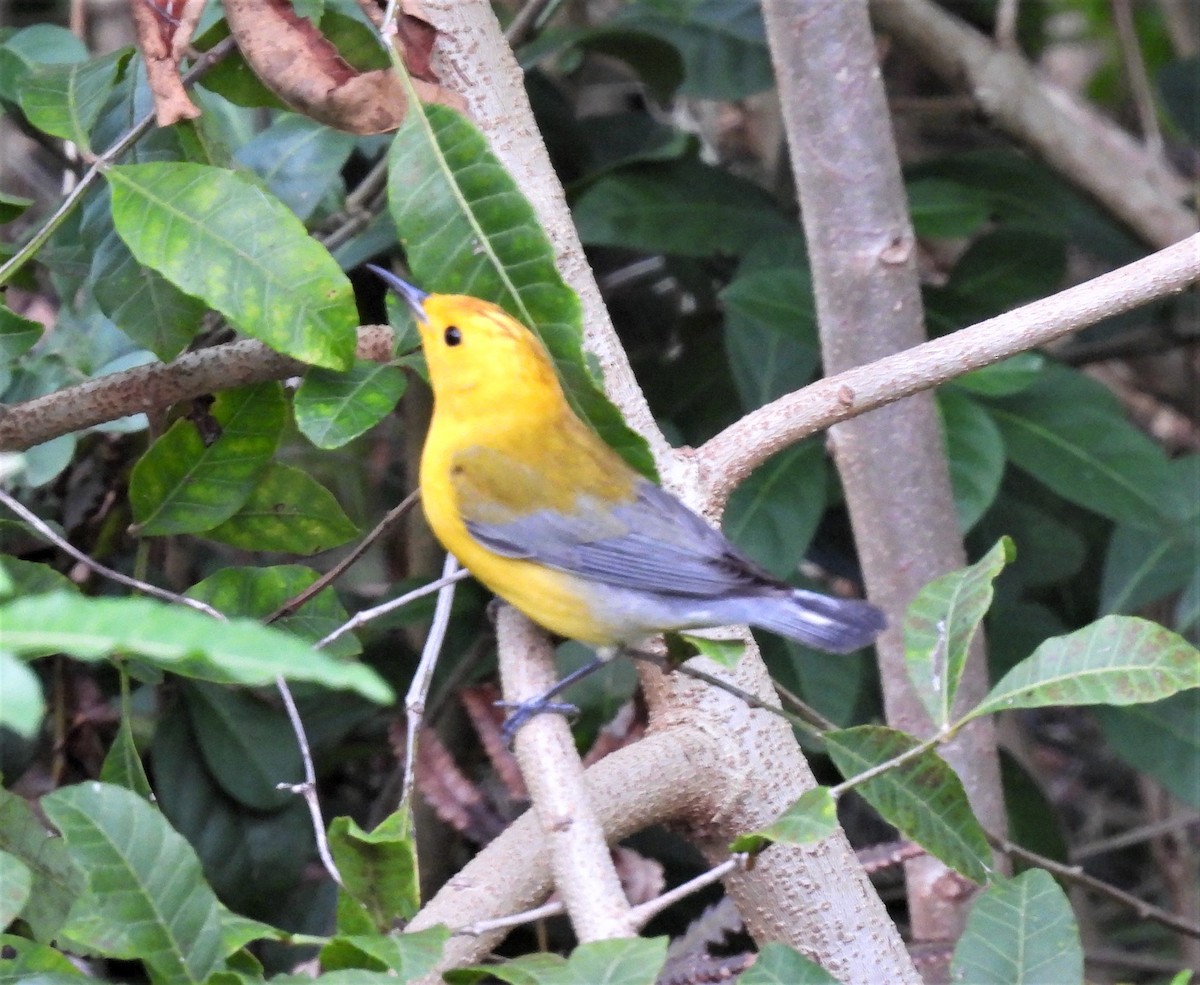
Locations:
24 51
146 306
1068 432
300 160
409 955
923 798
65 100
722 43
778 964
379 867
940 624
248 746
466 229
726 653
1011 375
1000 270
773 515
218 236
258 592
1020 932
288 510
976 454
634 961
770 333
23 706
176 639
17 335
187 484
334 408
1142 566
1161 739
15 883
27 962
12 207
811 818
942 208
146 897
1117 660
683 207
122 765
56 883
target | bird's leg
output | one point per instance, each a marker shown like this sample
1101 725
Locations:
523 711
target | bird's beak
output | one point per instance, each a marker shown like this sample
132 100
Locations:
413 297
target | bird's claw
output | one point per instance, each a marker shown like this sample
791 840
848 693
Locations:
523 711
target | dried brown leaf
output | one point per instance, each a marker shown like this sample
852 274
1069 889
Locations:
164 31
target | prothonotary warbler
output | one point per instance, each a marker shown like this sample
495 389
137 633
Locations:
551 519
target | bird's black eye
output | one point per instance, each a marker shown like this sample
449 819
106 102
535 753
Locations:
452 335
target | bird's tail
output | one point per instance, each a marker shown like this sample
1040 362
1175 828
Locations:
821 621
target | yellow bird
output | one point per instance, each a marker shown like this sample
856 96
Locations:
545 514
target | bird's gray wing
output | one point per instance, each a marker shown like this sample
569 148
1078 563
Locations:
652 543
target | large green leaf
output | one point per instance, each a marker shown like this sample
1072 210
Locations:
17 334
940 624
680 206
773 515
1162 739
976 454
1069 433
15 882
300 160
467 230
56 882
1118 660
258 592
334 408
27 962
923 798
379 867
200 473
218 236
289 511
770 333
65 100
22 52
176 639
248 745
146 897
23 705
1020 932
409 955
722 42
1142 566
778 964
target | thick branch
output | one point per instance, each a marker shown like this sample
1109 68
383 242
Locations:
152 387
731 455
1082 146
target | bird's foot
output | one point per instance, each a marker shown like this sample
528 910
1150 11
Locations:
524 711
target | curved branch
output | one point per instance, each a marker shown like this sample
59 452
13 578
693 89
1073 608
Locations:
157 385
728 457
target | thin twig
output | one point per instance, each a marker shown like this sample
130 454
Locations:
307 789
1076 875
48 533
364 616
418 691
392 515
643 914
543 912
526 21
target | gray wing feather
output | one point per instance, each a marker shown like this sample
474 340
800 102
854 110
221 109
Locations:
654 544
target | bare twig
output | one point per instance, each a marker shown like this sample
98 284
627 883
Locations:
364 616
1075 874
47 532
307 789
543 912
418 690
330 576
643 914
